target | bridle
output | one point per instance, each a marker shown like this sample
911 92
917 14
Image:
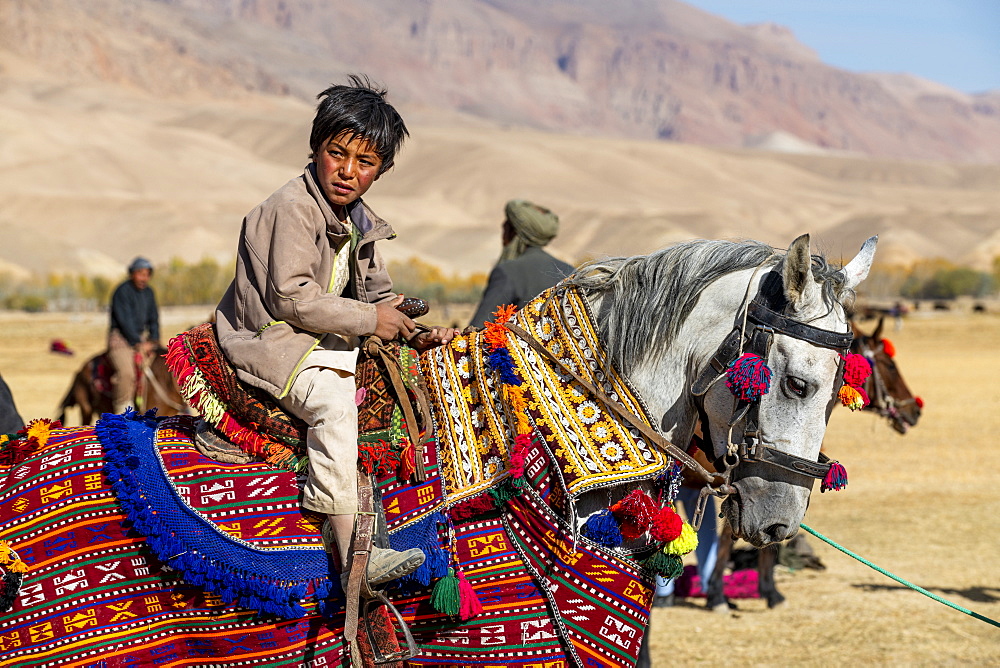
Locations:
753 332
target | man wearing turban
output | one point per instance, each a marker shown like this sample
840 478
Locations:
524 269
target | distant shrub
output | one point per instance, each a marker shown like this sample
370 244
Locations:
416 278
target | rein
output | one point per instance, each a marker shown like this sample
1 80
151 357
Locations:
617 408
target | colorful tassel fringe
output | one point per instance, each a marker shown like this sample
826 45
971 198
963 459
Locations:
836 478
748 377
667 525
468 602
423 534
445 597
856 369
634 513
502 363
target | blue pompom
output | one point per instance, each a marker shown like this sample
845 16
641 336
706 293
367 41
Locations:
602 527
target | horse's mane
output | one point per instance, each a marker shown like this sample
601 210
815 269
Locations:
668 283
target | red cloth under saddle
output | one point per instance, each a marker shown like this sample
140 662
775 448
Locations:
250 417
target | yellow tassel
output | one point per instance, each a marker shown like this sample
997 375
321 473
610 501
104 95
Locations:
39 429
686 542
851 398
10 560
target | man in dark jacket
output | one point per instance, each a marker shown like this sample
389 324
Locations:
10 419
134 331
524 270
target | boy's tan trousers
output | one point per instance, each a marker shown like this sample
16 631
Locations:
323 395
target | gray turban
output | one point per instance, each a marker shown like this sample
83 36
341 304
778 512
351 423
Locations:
533 226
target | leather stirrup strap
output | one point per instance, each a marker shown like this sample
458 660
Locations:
622 412
361 548
395 371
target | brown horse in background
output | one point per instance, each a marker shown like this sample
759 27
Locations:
91 390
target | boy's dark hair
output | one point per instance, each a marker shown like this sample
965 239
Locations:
361 110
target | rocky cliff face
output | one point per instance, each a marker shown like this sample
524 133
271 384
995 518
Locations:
634 68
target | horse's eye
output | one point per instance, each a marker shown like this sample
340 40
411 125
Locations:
797 386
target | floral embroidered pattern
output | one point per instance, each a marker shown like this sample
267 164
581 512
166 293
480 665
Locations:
480 410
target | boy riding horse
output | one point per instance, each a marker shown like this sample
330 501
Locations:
309 284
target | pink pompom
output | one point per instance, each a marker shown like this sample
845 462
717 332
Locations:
856 370
469 605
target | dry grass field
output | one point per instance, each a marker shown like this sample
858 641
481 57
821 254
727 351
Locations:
924 506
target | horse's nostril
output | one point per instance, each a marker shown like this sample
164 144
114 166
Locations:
776 533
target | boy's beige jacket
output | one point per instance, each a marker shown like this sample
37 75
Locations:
280 306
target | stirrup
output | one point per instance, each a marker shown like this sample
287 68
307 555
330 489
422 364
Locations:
406 654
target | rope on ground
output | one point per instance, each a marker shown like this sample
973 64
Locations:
899 579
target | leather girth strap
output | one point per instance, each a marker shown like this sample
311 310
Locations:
357 587
668 447
361 549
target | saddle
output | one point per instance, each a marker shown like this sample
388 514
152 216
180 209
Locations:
393 413
393 425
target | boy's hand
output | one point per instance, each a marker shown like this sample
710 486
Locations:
391 323
437 336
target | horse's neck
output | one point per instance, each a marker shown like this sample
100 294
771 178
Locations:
664 380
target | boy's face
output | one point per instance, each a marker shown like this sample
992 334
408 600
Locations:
346 168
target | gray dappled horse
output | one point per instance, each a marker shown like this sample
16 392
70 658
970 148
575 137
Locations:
668 322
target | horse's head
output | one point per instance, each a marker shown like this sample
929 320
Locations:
675 320
889 394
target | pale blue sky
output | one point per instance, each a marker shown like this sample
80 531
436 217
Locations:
955 42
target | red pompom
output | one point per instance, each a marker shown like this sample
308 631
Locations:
888 348
856 370
919 402
634 513
666 526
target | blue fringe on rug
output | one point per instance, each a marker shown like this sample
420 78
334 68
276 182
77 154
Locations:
423 534
269 581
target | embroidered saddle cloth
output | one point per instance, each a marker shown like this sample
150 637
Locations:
476 422
252 419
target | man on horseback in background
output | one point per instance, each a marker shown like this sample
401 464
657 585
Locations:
309 283
524 270
134 334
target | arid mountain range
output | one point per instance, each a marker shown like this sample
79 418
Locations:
153 126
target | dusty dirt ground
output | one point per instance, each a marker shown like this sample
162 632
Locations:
924 506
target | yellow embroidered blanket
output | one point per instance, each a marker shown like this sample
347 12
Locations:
476 425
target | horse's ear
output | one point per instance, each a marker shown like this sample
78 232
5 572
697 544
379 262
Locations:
857 269
797 273
877 334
